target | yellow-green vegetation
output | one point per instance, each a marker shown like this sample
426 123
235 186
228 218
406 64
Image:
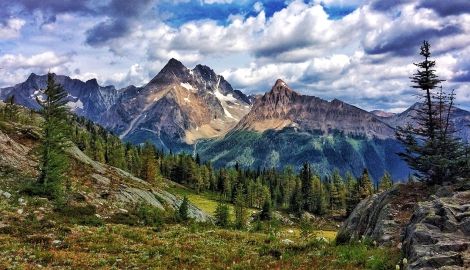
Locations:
190 246
198 200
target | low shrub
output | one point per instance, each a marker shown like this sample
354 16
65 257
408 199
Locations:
342 238
78 211
124 218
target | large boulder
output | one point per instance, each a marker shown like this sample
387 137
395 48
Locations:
438 233
381 216
433 231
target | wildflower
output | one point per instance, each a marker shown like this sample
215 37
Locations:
405 261
397 267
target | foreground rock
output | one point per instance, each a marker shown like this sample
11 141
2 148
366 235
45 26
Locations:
438 234
433 231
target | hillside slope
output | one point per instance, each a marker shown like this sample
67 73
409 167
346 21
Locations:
109 189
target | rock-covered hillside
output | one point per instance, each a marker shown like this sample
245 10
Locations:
110 189
431 225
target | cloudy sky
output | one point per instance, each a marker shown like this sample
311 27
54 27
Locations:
359 51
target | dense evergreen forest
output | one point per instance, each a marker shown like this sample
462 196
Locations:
292 190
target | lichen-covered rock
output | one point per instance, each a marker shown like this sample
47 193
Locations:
437 235
382 215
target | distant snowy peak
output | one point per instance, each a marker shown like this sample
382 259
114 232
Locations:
85 98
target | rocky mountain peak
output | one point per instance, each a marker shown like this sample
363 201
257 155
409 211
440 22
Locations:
280 93
205 72
92 82
173 71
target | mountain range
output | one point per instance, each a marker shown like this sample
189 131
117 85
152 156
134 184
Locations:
197 110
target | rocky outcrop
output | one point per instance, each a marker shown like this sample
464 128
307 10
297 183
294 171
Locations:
381 216
438 233
118 187
14 155
432 231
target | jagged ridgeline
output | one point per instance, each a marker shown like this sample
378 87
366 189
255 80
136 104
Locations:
197 111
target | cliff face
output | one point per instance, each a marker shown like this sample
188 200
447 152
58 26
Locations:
432 230
283 107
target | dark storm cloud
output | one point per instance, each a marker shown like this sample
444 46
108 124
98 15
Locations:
385 5
54 6
281 46
463 69
108 30
447 8
404 43
122 14
49 8
462 78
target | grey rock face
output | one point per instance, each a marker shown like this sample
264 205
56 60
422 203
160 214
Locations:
434 232
437 235
375 217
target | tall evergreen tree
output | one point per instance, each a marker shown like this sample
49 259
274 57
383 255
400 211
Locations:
184 209
222 214
431 147
365 184
240 207
53 161
149 167
306 187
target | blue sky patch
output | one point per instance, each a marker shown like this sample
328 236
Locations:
338 12
193 10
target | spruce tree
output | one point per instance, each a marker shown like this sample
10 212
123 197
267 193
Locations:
266 211
184 209
222 214
352 196
240 207
431 147
365 184
386 181
52 159
306 187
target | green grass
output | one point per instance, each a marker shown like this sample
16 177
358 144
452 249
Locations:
199 200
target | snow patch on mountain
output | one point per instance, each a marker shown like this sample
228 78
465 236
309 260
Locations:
187 86
75 105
